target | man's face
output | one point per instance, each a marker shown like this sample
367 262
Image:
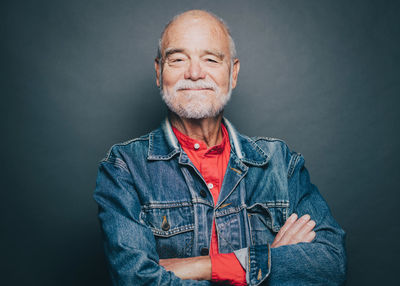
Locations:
197 74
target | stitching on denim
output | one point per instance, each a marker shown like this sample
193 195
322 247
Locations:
166 205
258 149
252 264
176 230
151 139
117 162
228 211
250 228
197 200
270 139
253 143
292 163
277 204
234 187
284 205
158 157
249 265
108 155
189 245
221 230
258 280
273 204
163 157
285 213
228 243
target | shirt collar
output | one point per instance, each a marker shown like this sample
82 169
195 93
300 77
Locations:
189 143
163 145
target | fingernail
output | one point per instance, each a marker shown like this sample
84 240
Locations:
305 217
293 217
311 223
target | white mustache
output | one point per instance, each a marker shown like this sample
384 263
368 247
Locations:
198 84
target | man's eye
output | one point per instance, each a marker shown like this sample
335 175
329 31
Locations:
211 60
176 61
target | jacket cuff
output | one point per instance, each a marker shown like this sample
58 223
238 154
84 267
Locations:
256 260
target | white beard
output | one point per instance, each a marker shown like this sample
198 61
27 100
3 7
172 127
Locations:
196 104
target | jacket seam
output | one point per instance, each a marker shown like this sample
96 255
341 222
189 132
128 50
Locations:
174 231
108 155
166 205
117 162
292 163
269 139
257 148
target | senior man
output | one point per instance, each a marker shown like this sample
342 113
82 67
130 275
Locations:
195 202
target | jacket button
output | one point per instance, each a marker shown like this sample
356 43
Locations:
165 226
204 251
203 193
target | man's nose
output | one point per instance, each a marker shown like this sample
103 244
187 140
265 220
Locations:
194 71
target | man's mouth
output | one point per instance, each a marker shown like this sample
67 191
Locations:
195 89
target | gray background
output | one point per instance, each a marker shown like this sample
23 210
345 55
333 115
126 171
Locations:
77 77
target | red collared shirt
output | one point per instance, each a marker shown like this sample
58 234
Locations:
212 163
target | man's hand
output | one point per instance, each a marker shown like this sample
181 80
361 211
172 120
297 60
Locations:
196 268
295 231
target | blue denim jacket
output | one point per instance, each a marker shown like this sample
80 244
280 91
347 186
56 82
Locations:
153 204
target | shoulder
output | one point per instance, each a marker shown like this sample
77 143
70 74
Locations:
278 152
129 148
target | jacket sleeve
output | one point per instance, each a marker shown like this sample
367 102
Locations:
320 262
129 244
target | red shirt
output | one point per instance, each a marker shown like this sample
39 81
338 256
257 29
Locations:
212 163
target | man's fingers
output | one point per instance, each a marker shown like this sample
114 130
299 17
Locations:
302 234
285 227
310 236
295 231
290 234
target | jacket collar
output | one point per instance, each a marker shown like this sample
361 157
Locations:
163 145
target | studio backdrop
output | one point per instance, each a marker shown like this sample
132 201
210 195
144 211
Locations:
78 76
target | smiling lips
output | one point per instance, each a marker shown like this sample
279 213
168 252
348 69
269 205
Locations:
196 89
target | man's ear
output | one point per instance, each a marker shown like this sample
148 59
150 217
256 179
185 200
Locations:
235 72
157 67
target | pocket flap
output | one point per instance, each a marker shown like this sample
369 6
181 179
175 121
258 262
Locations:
168 221
271 214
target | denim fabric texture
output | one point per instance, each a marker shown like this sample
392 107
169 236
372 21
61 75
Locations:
154 204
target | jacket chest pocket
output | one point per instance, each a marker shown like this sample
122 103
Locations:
172 228
265 220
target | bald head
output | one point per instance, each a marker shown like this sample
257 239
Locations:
196 17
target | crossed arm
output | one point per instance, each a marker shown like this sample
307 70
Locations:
132 257
295 230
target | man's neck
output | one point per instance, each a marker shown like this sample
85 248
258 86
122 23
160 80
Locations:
207 130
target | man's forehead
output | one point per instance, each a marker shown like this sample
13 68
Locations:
195 33
190 27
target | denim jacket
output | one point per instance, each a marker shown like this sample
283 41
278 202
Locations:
153 204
